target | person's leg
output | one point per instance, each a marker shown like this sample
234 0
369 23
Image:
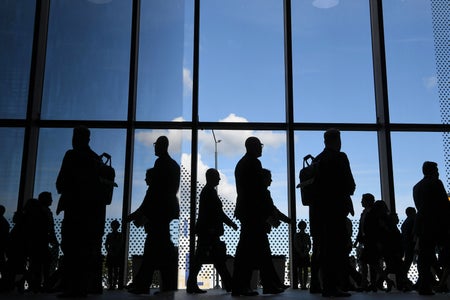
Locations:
244 262
271 282
315 284
195 267
305 277
142 280
424 262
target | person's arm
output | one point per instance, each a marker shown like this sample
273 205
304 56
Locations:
228 221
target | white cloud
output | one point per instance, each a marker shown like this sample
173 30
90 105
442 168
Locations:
175 137
430 82
232 144
325 3
187 81
233 141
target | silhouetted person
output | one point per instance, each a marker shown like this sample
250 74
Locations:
444 258
276 216
160 206
4 236
333 203
367 201
315 284
274 284
408 238
82 226
113 246
16 254
253 249
302 247
209 228
351 278
384 242
431 201
40 232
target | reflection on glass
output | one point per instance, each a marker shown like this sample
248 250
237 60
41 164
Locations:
411 61
409 152
362 151
162 79
88 58
53 144
241 76
10 163
16 38
332 62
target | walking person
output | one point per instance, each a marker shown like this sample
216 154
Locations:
253 249
209 228
159 208
431 201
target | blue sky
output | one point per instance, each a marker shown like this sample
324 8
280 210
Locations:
242 80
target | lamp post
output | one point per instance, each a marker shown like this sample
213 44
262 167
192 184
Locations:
215 148
217 286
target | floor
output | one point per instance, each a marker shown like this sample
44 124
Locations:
217 294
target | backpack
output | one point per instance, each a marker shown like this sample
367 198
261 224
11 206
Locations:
107 174
308 179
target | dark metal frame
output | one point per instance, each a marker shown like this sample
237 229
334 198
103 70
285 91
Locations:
32 124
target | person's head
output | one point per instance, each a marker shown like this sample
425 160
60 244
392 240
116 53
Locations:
332 139
81 137
266 176
212 177
2 210
301 225
430 168
45 198
115 225
161 145
367 200
410 211
380 208
148 176
254 146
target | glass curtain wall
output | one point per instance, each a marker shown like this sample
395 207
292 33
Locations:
209 74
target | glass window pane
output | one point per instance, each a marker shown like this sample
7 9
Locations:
53 144
332 62
362 151
144 158
88 58
164 79
16 38
418 93
409 151
11 150
241 76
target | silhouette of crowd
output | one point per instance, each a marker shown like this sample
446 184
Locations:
322 254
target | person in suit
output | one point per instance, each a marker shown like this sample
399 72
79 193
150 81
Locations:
209 228
160 207
334 203
253 249
431 201
78 183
